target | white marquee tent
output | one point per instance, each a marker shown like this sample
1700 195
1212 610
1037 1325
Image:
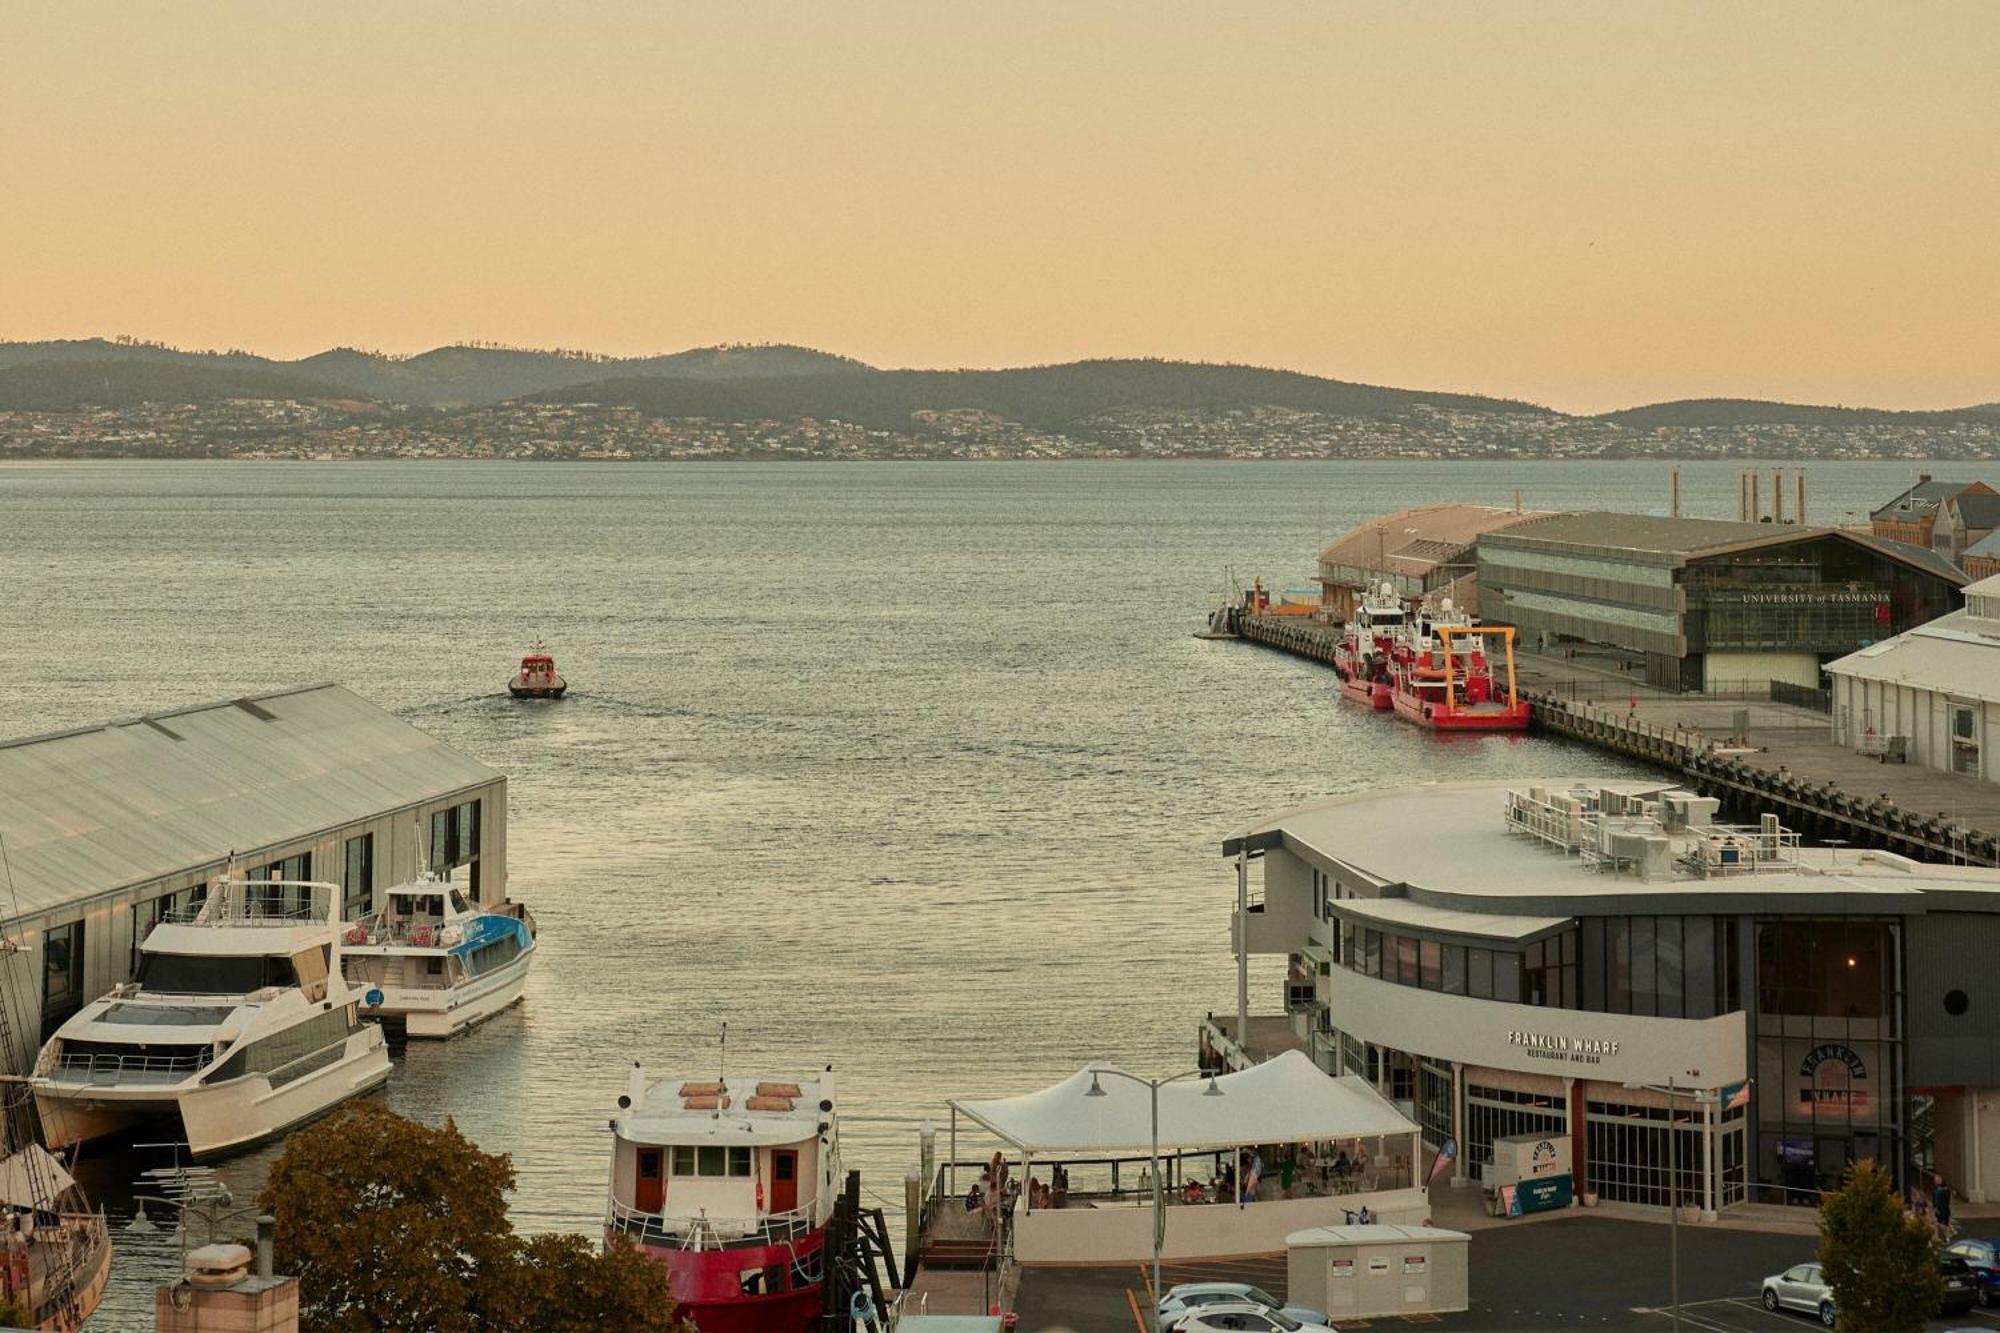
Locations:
1288 1099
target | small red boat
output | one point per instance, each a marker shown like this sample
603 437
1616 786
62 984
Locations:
1363 657
1444 677
538 678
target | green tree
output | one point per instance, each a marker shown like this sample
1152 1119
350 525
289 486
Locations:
1877 1256
390 1224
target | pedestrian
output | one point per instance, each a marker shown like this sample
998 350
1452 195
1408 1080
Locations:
1941 1202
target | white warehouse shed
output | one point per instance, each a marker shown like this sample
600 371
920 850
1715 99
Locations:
106 829
1933 690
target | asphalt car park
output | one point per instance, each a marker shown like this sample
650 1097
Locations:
1567 1273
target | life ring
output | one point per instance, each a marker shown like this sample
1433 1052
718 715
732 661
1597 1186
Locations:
421 936
861 1308
355 935
760 1194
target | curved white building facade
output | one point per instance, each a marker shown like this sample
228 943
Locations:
1608 961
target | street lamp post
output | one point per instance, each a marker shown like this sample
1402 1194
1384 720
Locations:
1159 1193
1672 1092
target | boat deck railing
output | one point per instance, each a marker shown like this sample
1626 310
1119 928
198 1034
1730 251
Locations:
702 1232
101 1067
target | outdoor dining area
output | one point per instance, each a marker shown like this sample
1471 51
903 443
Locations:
1242 1160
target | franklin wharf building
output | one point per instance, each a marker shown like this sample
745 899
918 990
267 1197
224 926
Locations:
1608 962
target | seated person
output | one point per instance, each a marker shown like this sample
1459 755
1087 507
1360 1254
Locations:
974 1197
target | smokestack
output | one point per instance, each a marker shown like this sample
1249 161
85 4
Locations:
1756 514
266 1226
1777 495
1799 477
1674 493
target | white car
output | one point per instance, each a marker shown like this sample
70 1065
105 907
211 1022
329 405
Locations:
1193 1295
1801 1288
1241 1317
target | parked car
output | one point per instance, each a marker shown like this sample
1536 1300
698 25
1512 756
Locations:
1961 1288
1189 1295
1801 1288
1983 1258
1242 1317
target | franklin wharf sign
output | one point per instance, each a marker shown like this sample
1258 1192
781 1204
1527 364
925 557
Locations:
1556 1046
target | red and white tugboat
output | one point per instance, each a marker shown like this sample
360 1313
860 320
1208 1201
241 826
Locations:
1367 645
728 1184
538 678
1444 675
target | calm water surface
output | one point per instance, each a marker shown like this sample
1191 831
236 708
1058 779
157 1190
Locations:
911 768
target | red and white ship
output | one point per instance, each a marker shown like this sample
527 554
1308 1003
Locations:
1444 674
728 1184
537 678
1367 646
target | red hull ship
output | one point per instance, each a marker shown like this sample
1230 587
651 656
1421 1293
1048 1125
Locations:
1444 677
728 1185
1365 654
537 678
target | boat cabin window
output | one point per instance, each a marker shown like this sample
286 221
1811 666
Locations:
311 965
205 974
458 903
692 1161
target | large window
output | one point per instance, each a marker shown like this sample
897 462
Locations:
1434 1101
1669 966
455 842
1495 1113
210 974
357 878
292 902
1632 1159
62 975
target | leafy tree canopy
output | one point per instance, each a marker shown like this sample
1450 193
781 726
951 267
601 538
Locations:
1877 1257
390 1224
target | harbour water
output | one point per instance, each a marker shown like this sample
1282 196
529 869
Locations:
915 768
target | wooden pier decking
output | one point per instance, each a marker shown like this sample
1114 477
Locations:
1755 756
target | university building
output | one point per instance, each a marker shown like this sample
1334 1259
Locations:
1608 961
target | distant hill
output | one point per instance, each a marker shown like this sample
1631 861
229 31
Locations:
446 376
1045 397
1755 412
66 386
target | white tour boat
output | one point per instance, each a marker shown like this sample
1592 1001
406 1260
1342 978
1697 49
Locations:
728 1183
436 963
240 1023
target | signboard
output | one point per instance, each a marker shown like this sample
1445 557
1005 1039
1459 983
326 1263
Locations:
1564 1047
1342 1268
1536 1196
1378 1263
1832 1077
1413 1263
1528 1157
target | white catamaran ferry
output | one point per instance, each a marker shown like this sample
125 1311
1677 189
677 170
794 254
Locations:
435 962
240 1023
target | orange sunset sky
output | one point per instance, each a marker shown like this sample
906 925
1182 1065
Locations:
1588 205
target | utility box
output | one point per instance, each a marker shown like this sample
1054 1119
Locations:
1376 1271
1531 1173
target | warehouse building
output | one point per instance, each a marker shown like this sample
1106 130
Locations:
1702 604
107 829
1607 962
1419 553
1931 694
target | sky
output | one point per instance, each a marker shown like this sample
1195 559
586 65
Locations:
1587 205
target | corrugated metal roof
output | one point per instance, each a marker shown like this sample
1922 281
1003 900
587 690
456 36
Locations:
1950 655
1650 532
1415 541
92 810
1688 538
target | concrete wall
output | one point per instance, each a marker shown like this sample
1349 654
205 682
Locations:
1287 919
1731 670
1948 952
401 837
1124 1233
